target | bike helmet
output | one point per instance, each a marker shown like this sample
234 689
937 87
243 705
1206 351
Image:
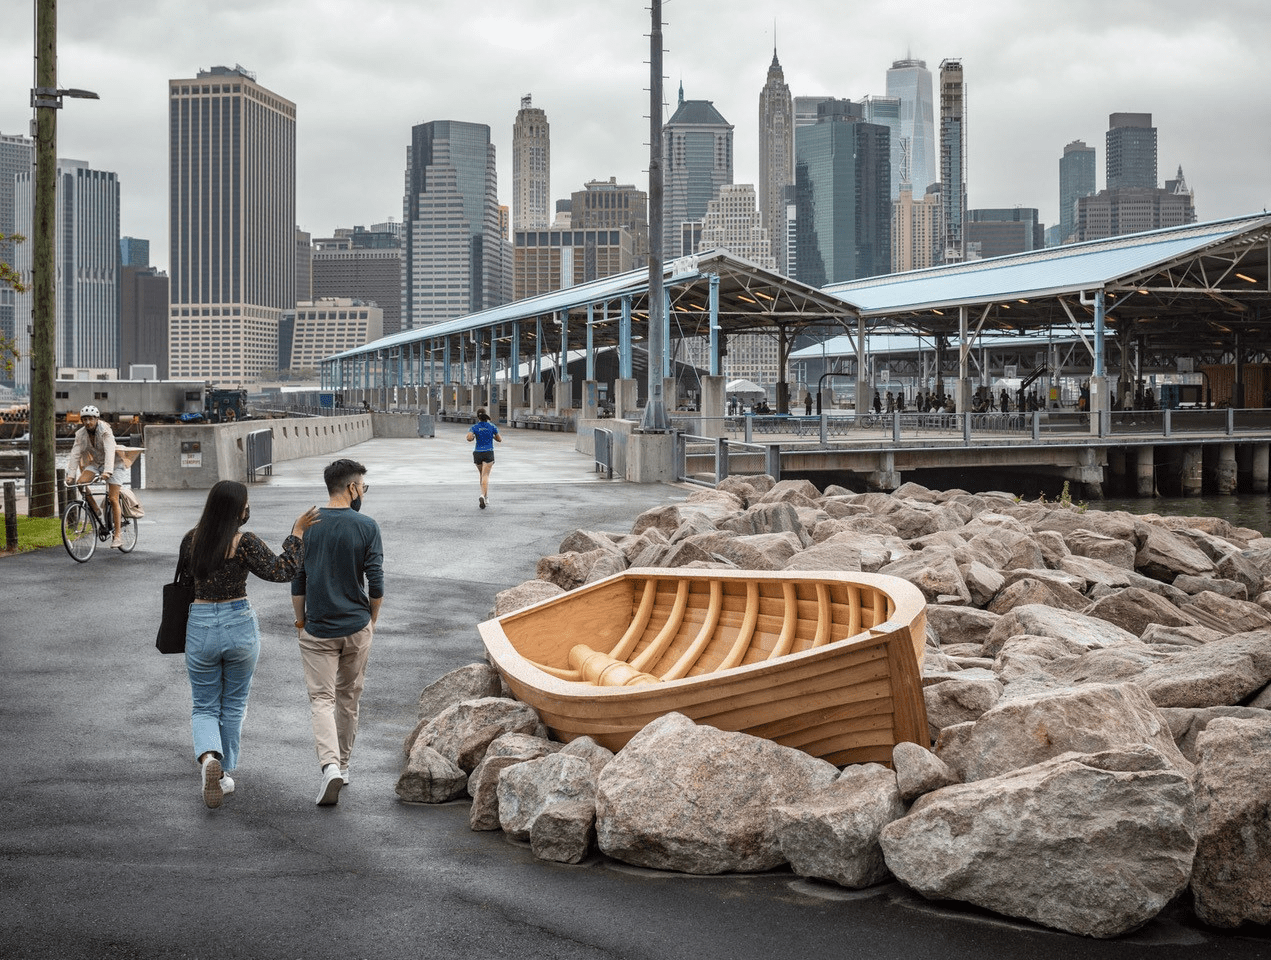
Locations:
89 411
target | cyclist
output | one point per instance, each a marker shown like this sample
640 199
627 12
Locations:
93 457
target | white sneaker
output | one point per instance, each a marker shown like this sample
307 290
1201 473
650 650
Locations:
344 775
227 784
210 778
329 792
117 542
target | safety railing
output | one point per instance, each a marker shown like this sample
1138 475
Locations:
260 454
708 460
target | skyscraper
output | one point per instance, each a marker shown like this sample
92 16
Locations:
842 187
456 260
1131 154
910 81
531 168
953 159
16 156
886 112
776 157
697 159
1076 180
232 217
87 255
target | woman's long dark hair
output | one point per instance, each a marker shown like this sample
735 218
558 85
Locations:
216 528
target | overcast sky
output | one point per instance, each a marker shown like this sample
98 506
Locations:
1039 75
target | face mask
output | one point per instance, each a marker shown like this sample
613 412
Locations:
356 503
247 515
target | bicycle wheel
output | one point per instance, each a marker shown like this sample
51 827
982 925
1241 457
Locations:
128 534
79 532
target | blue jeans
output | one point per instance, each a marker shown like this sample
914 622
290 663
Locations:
222 643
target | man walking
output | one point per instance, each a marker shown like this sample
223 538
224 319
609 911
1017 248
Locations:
336 597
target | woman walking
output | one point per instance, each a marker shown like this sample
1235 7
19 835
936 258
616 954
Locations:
486 434
222 641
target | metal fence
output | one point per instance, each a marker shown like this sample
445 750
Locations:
260 454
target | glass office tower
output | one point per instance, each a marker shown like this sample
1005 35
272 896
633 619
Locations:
910 82
842 196
456 260
1076 180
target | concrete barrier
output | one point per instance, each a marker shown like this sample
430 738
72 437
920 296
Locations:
195 456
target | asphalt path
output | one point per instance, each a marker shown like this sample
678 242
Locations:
106 850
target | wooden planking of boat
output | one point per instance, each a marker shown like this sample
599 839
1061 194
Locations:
827 662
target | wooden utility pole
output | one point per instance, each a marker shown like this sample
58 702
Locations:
44 99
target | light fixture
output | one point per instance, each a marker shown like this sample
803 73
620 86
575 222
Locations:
747 299
938 313
1023 301
1143 291
1243 277
764 295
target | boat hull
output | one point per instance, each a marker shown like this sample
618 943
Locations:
847 691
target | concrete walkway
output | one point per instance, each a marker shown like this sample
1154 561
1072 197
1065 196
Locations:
106 850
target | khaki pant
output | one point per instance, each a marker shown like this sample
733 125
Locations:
335 670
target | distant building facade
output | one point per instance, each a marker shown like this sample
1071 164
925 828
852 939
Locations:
1077 169
531 168
606 205
915 230
547 260
364 265
1133 202
134 252
953 176
733 223
331 325
1131 151
842 189
776 157
232 222
996 232
1113 213
697 155
17 155
909 81
143 319
87 253
886 112
455 258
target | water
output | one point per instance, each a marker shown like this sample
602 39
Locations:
1252 510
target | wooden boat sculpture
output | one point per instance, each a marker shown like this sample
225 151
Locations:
826 662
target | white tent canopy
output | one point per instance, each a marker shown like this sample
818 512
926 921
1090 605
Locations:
744 386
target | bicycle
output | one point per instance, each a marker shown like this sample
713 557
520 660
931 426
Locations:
83 525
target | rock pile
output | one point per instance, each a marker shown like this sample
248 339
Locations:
1096 686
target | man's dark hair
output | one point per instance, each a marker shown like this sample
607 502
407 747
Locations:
341 473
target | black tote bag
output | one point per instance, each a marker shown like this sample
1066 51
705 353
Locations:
177 597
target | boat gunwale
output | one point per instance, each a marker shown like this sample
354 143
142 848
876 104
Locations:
908 601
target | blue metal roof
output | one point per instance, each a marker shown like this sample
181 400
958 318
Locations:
1040 273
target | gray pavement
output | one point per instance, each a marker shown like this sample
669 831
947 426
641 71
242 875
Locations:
106 849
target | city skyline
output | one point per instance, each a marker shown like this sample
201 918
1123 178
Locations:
1037 79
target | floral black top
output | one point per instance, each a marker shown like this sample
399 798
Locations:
252 556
